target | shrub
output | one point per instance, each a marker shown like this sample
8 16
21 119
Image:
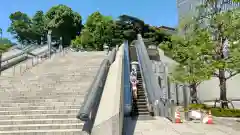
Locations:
218 112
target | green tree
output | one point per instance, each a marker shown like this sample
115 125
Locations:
129 27
64 22
220 51
134 23
236 0
27 30
5 41
5 44
155 35
38 27
97 31
186 50
225 29
20 27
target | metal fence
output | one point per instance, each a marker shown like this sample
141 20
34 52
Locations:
174 94
21 65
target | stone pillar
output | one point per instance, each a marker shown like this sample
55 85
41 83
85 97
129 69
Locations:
41 41
49 42
61 45
106 48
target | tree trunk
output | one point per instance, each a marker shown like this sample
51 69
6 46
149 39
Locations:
223 89
194 93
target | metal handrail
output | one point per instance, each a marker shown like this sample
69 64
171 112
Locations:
21 53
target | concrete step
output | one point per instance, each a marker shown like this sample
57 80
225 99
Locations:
42 100
43 132
39 121
142 113
52 93
39 108
141 100
141 109
40 126
40 104
37 116
141 103
141 96
48 97
27 112
141 106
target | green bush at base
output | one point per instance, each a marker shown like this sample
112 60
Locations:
218 112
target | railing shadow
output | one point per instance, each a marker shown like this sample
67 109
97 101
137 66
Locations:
129 125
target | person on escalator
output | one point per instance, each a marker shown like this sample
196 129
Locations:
134 81
134 72
134 88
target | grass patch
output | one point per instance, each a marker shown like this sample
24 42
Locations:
218 112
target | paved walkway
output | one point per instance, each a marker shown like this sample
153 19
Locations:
162 126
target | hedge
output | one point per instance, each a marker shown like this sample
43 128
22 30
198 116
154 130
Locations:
217 111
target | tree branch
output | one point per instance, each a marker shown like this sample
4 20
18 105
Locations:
233 74
198 83
215 74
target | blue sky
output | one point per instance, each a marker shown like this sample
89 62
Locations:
154 12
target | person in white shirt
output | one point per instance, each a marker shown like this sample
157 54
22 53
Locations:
134 82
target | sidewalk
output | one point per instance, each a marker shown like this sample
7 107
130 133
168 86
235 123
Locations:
162 126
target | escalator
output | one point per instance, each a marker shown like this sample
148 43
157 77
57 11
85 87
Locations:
139 107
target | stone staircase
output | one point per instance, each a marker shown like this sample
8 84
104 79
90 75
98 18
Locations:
46 99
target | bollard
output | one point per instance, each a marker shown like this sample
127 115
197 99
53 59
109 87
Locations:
14 70
173 110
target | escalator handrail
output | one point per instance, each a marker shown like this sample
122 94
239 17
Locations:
126 81
144 77
152 88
